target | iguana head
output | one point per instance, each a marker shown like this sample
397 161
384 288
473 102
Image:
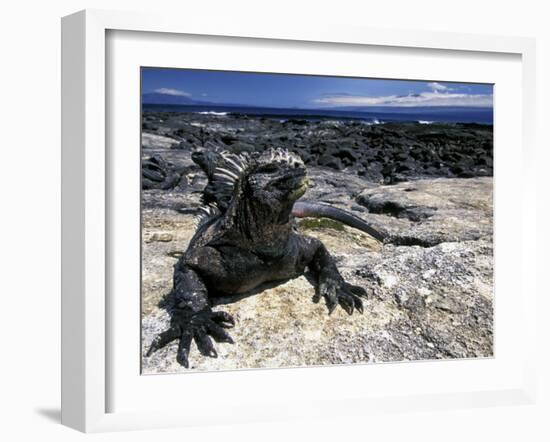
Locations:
268 182
276 178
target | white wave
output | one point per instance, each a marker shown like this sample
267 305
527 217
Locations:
373 122
213 113
424 122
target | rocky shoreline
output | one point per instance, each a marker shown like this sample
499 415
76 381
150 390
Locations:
428 187
383 153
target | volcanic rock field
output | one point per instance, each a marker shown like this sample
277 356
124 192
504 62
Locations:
427 187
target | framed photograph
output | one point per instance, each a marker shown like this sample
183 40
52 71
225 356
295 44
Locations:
276 222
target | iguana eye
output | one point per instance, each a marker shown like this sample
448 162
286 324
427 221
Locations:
270 168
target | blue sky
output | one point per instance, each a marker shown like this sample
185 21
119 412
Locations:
303 91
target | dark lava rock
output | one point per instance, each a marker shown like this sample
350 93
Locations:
385 153
159 174
330 161
397 207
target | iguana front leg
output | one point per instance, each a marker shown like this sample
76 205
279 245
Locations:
330 283
193 318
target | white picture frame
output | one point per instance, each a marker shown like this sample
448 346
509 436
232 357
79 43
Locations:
86 314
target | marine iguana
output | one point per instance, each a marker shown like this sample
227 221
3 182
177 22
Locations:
245 239
219 194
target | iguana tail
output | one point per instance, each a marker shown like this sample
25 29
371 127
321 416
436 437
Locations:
302 209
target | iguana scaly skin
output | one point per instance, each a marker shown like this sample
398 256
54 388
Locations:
247 238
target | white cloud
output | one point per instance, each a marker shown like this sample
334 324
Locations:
168 91
437 87
412 100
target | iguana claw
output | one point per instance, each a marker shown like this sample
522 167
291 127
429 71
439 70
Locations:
338 292
198 326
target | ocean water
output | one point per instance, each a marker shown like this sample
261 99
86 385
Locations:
423 115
